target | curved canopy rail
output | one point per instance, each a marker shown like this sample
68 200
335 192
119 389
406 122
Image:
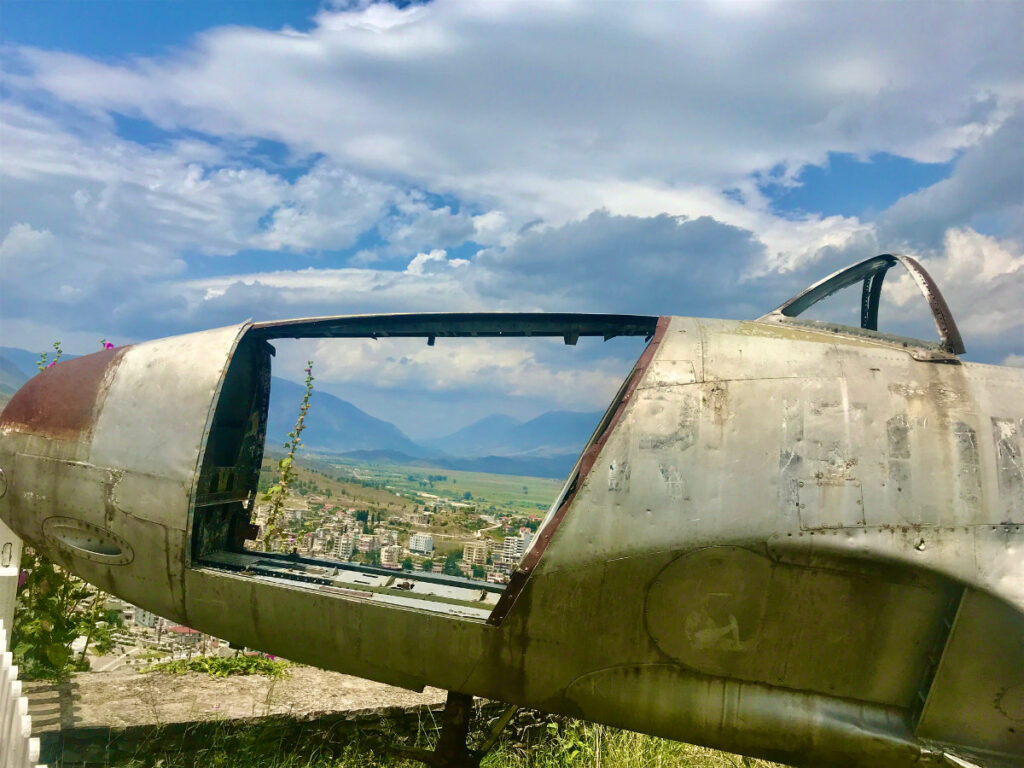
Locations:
872 273
432 325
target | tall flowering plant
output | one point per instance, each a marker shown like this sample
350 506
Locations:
277 493
41 363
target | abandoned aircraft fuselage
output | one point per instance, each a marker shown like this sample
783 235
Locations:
785 539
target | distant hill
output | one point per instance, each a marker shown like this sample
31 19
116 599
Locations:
333 425
18 366
549 466
21 360
472 440
552 434
11 376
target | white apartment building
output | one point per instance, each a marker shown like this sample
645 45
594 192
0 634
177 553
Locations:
512 549
344 546
421 543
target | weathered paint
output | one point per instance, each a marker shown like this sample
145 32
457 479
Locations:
782 541
61 402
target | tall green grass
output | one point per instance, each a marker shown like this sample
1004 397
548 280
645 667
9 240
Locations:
571 744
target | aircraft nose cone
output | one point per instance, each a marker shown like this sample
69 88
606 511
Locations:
60 402
52 416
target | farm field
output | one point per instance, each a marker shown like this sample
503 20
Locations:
521 494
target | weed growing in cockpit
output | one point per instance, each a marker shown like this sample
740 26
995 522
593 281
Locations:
277 493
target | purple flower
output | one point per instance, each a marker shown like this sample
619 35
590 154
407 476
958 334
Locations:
52 364
22 578
107 345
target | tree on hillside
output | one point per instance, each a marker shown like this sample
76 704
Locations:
451 565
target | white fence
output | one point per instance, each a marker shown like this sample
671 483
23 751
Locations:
17 747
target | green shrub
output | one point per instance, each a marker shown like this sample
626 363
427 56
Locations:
224 667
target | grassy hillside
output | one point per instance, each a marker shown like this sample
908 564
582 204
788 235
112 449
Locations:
319 479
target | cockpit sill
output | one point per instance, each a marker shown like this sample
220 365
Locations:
458 596
918 349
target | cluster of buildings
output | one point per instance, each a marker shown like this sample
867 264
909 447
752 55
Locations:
344 534
498 562
142 637
341 534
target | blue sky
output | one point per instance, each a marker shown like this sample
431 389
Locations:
846 185
173 166
117 28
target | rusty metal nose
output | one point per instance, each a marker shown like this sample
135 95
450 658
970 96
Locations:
53 415
61 402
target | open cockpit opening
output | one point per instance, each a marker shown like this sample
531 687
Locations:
442 525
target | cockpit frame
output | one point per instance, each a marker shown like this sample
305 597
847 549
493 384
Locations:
872 273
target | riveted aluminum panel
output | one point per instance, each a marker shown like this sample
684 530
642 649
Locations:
977 697
988 558
60 402
390 644
165 391
54 413
55 487
840 631
750 350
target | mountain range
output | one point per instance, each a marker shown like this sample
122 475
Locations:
545 446
15 365
333 425
554 433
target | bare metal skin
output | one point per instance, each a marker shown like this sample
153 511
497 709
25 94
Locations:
786 539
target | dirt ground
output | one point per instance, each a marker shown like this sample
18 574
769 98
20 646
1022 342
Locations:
131 698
